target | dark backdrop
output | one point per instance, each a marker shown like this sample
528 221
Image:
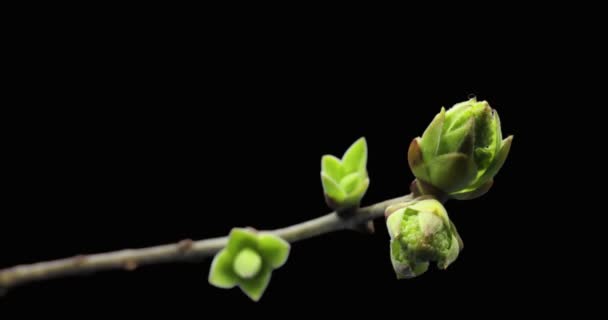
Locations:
133 145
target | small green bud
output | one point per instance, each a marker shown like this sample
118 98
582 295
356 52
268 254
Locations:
461 150
345 181
421 232
248 261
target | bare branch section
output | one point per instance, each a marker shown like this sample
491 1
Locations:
185 250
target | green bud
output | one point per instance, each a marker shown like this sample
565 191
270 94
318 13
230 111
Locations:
248 261
345 181
421 232
461 150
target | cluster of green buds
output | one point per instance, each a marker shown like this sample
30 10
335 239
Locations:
248 261
421 232
345 181
460 152
457 157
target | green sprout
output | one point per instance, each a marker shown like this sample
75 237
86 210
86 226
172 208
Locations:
345 181
248 261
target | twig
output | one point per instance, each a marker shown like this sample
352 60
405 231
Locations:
130 259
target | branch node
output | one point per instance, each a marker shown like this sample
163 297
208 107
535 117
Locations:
184 245
364 227
79 259
130 264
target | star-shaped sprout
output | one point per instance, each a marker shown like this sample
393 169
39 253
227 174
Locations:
248 261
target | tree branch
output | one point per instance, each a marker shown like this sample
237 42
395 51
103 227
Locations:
130 259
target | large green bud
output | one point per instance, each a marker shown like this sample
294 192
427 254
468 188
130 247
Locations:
421 233
460 152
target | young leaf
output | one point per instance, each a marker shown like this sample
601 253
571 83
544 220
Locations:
255 287
273 249
357 194
432 136
393 223
240 238
332 167
452 172
332 189
221 274
497 132
416 162
355 158
350 182
497 162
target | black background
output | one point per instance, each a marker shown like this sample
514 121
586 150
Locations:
143 142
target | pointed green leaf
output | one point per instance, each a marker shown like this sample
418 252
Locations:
393 223
350 182
356 195
484 127
454 114
254 288
273 249
460 140
452 172
355 158
415 160
332 167
432 136
332 189
467 146
483 158
240 238
457 235
221 274
451 255
473 193
497 163
497 133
